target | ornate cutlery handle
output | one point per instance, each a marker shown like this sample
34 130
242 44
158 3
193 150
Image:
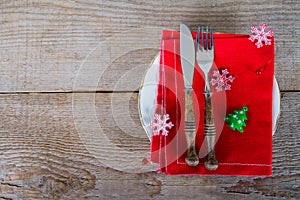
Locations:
211 162
191 158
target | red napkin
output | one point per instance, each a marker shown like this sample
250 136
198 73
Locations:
248 153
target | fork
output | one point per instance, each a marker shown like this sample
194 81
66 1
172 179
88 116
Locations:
205 59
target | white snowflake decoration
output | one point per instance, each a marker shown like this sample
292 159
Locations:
221 81
261 35
160 124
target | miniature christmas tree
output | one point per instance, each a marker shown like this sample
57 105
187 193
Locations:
236 121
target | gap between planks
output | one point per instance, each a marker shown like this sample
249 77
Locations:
97 91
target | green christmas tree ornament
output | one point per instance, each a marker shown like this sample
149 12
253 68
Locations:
236 121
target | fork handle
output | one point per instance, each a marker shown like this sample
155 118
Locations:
191 158
211 162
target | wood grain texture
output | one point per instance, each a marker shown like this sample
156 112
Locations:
45 153
63 45
56 144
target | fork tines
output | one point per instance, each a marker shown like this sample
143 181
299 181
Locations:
207 42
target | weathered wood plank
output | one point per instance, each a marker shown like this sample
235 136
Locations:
50 147
66 45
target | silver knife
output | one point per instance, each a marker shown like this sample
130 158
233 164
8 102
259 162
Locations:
187 57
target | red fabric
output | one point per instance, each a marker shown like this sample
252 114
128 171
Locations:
248 153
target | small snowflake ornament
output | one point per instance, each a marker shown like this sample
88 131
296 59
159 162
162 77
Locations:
160 124
221 81
261 35
236 121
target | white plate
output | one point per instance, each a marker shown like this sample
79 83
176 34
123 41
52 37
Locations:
148 93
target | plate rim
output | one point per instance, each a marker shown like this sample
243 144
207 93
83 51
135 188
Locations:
139 95
275 84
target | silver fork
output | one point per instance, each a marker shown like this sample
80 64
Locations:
205 59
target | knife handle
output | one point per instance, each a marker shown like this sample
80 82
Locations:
191 158
211 162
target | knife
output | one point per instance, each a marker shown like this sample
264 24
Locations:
187 58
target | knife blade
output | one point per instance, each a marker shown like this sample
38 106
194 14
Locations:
187 58
187 55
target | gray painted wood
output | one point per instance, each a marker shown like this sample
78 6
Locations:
60 145
44 153
65 45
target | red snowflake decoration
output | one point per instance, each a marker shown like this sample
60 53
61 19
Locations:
261 35
160 124
221 81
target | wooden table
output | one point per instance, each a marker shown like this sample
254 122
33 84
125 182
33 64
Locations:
70 72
